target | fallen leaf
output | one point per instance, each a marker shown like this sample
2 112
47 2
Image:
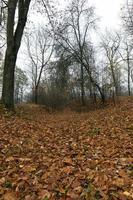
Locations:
68 161
67 170
126 193
2 180
9 196
9 159
44 194
119 182
78 190
29 168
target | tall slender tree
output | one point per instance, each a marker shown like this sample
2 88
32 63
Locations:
111 44
39 55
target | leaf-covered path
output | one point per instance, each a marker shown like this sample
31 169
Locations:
67 155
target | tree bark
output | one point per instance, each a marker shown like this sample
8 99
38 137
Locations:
14 38
128 65
95 84
36 95
82 86
8 81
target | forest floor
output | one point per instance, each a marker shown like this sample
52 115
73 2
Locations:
67 155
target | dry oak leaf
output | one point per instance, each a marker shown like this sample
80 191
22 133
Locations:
68 161
78 190
91 175
127 194
11 158
29 168
74 146
1 191
67 170
119 182
10 196
24 159
101 181
122 173
2 180
72 195
29 197
44 193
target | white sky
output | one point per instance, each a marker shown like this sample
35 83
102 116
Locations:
107 10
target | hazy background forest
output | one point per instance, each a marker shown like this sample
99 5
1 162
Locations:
68 54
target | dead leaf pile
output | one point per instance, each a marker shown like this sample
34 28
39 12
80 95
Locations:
67 156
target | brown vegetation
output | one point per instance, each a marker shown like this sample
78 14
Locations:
67 155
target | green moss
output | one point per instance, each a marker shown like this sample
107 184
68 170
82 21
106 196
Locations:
8 184
45 198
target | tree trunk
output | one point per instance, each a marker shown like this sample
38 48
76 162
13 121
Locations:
115 83
8 80
82 86
95 84
128 65
36 95
14 38
101 93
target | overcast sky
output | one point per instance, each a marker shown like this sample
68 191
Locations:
107 10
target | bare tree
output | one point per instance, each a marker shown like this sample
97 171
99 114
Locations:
126 55
73 34
3 7
40 54
127 16
111 44
3 17
21 82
